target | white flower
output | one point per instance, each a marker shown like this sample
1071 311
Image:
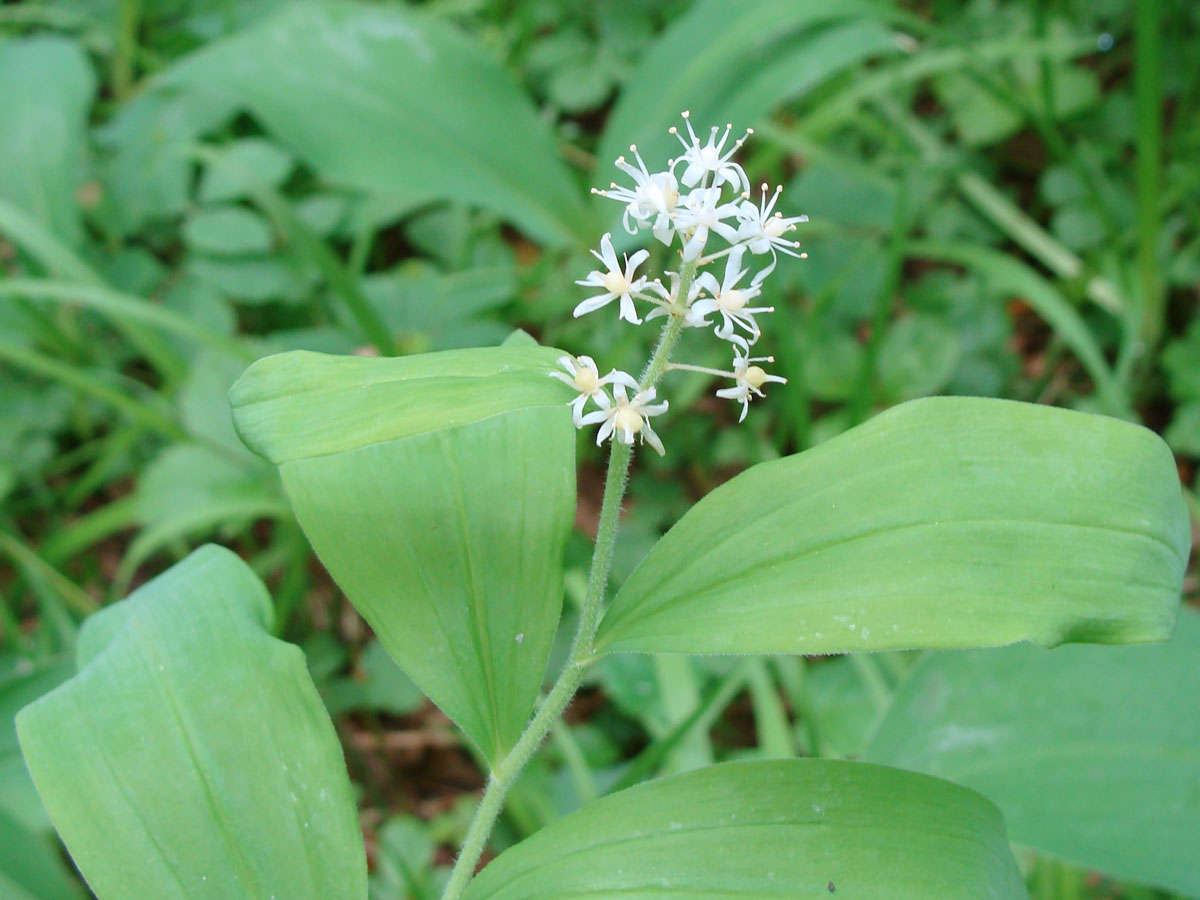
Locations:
730 301
653 197
749 380
628 417
584 377
616 283
700 212
702 160
762 229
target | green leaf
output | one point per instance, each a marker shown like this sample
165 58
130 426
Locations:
249 280
1090 752
1181 360
400 102
1183 434
378 684
416 299
735 63
1006 275
249 158
798 828
944 522
300 404
190 491
149 172
439 491
227 231
918 356
191 757
47 86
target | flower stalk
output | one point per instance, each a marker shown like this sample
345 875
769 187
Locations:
655 203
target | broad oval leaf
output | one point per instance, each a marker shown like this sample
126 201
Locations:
943 522
400 102
191 756
439 491
1090 752
796 828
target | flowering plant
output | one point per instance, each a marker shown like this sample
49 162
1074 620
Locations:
439 491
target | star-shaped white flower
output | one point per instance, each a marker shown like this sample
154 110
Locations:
700 160
652 199
748 379
582 374
700 212
730 301
629 417
763 230
617 283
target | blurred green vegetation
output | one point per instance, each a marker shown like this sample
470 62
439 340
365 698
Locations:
1004 201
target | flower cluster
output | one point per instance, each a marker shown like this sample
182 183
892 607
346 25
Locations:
701 194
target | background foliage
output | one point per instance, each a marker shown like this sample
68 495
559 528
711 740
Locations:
1003 202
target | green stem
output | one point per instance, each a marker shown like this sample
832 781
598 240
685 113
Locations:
506 772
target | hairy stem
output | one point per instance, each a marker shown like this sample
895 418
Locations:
506 772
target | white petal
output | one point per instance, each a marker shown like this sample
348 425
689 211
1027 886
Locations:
616 376
628 310
656 410
607 254
605 430
649 436
634 261
696 243
577 410
701 309
593 303
595 416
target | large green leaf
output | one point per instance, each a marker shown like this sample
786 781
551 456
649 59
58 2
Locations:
734 63
439 491
1092 753
46 84
798 828
400 101
191 757
944 522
